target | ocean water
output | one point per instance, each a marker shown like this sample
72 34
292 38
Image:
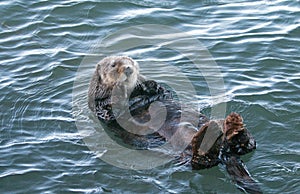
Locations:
219 56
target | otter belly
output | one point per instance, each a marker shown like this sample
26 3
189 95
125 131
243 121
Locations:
151 118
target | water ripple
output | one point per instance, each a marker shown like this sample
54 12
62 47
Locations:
255 44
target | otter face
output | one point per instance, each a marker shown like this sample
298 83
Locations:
118 71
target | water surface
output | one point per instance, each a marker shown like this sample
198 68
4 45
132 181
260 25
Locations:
44 43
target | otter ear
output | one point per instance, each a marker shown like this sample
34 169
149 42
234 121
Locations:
97 73
95 88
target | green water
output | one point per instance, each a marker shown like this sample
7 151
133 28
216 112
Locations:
47 46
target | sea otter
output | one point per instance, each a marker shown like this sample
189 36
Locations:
144 113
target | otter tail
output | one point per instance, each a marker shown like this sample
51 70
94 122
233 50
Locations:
240 175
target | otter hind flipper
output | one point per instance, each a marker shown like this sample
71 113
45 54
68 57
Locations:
206 145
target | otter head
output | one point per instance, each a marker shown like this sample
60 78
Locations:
112 72
118 71
238 138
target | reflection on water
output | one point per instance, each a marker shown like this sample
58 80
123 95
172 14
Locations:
42 44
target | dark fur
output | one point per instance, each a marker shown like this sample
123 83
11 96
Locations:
215 142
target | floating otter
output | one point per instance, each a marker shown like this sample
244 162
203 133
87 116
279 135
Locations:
133 107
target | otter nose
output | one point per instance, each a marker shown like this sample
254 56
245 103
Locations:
128 71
